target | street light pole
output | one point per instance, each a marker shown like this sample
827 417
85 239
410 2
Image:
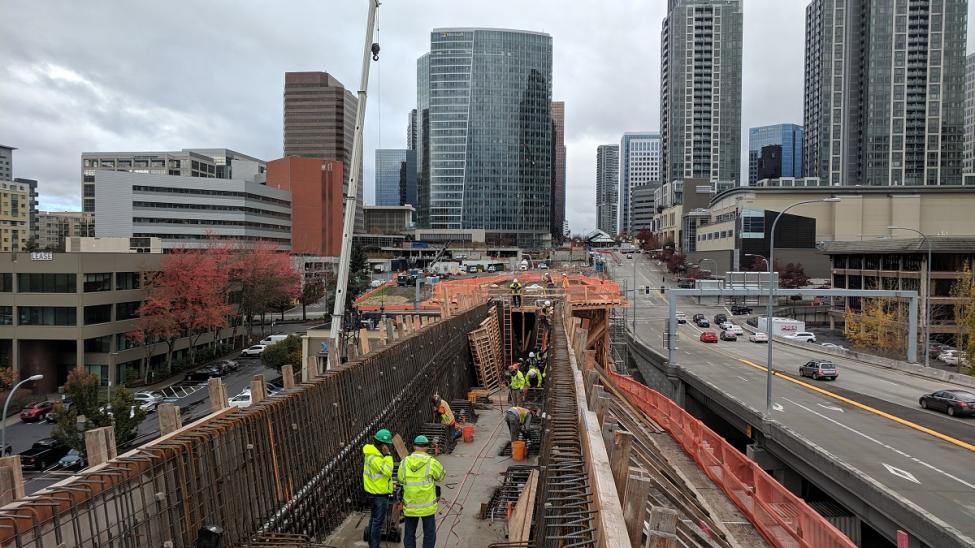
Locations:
3 424
927 294
771 296
632 258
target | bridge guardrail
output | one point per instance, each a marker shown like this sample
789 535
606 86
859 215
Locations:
781 517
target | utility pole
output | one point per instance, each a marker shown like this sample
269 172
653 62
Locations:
370 49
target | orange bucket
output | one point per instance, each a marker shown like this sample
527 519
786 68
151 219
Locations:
468 433
518 450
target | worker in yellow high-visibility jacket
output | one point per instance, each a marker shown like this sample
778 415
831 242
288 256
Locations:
418 474
377 481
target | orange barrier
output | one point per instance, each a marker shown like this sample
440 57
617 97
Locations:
781 517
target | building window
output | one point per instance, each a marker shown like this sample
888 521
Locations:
127 311
99 344
6 282
128 280
6 315
99 313
46 315
123 342
100 371
98 281
46 283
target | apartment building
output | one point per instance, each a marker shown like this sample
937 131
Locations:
53 227
15 213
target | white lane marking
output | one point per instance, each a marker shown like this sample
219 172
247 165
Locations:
709 363
901 473
831 407
884 445
778 406
742 378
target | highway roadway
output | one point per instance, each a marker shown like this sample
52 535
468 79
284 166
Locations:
868 419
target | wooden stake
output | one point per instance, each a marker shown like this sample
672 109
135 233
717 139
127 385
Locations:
619 459
11 479
100 445
169 418
218 395
258 390
663 528
364 341
635 504
288 376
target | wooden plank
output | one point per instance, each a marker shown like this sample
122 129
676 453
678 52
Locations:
635 504
519 526
100 445
169 418
663 528
11 480
258 391
401 451
619 459
364 341
218 397
288 376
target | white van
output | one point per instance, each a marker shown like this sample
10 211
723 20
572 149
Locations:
273 339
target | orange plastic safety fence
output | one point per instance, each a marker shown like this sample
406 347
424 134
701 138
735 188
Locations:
781 517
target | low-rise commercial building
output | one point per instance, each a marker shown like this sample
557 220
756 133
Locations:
59 311
53 227
190 211
389 219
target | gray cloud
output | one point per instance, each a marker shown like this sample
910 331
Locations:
101 75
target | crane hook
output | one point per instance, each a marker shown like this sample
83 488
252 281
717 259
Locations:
375 51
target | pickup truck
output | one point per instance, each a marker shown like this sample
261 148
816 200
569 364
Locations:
43 453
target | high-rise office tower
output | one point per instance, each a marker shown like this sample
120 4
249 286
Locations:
969 164
558 169
884 88
7 162
411 131
484 144
774 151
639 166
319 122
700 90
607 188
395 177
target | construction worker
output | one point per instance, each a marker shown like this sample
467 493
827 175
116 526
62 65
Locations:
534 377
377 480
446 416
418 474
565 281
549 282
519 420
516 393
515 292
532 360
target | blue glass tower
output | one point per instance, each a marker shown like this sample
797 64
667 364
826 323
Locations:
395 177
784 161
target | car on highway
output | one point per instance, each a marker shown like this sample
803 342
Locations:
802 336
72 461
740 310
681 317
736 329
708 336
702 322
758 337
953 357
953 402
254 351
44 453
832 346
697 317
720 318
725 325
819 369
728 336
203 374
35 412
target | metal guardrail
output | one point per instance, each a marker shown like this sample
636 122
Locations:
289 465
781 517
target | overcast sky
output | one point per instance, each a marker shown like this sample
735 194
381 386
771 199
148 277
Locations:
96 75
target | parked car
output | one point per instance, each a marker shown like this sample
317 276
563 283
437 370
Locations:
737 330
727 335
758 337
708 336
147 400
953 402
802 336
720 318
72 461
254 351
832 346
376 283
203 373
702 322
542 266
740 310
681 317
935 349
819 369
52 415
725 325
953 357
272 339
44 453
241 400
35 412
227 366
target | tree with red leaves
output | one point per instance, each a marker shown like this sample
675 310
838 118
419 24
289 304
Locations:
154 324
266 276
648 240
677 263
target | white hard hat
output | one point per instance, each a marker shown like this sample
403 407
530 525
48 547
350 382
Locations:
548 303
514 279
531 354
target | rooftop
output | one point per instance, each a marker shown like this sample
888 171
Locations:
939 244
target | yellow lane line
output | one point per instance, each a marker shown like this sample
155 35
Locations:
867 408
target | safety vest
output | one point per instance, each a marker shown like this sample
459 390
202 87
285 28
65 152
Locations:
377 471
521 412
446 415
518 380
515 288
565 282
537 382
418 474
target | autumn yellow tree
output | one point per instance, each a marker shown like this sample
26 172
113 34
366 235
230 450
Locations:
876 326
963 308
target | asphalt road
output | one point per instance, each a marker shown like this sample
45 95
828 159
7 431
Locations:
191 397
845 417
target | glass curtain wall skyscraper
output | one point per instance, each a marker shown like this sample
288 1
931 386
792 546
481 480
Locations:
700 90
484 145
788 155
607 188
884 89
639 166
395 177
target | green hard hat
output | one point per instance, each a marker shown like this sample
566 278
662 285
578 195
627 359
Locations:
421 440
384 436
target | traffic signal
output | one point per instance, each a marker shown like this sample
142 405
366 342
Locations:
661 290
646 290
